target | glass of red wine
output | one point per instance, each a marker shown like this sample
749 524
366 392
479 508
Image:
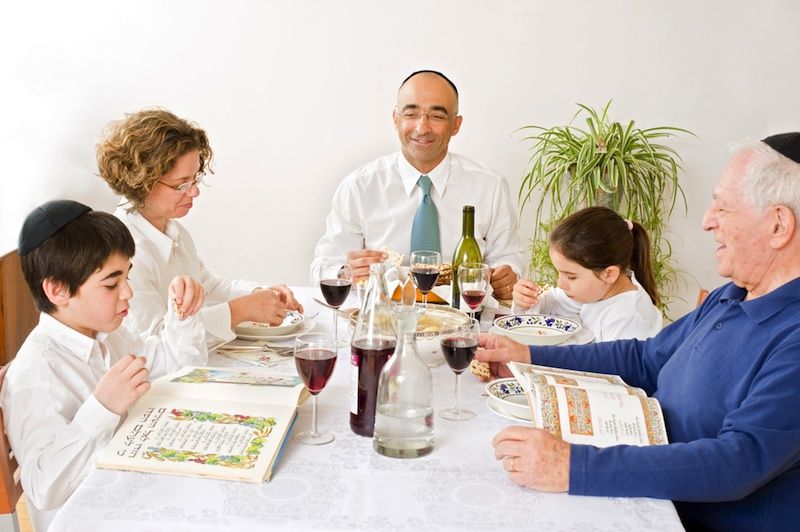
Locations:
315 358
425 270
459 346
473 282
335 281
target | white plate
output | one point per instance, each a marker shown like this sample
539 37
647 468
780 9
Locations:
291 323
506 415
584 336
307 326
507 395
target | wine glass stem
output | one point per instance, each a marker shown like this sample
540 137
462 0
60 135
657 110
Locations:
458 392
425 299
336 329
314 416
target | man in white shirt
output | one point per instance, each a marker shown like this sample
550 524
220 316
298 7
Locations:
374 206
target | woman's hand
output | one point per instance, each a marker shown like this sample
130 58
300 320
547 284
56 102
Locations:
498 350
526 294
263 306
187 294
533 458
287 297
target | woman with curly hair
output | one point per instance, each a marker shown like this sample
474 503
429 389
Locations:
157 161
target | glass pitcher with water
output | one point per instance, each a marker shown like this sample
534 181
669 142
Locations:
404 412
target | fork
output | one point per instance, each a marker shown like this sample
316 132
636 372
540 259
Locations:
278 350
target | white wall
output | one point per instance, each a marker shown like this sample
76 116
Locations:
295 94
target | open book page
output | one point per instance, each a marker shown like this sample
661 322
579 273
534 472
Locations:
249 385
594 415
568 377
218 422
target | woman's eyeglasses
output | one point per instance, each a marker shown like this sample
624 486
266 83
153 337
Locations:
183 188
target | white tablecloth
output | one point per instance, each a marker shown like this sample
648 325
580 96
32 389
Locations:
345 485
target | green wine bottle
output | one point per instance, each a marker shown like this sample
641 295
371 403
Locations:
467 250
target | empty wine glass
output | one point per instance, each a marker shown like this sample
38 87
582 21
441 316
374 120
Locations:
459 346
315 358
425 270
335 281
473 282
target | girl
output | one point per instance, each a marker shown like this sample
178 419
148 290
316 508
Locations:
604 277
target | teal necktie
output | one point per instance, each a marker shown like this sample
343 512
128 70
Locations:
425 229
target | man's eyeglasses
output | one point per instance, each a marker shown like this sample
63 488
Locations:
183 188
434 117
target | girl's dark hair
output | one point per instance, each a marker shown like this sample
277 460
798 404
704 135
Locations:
74 253
598 237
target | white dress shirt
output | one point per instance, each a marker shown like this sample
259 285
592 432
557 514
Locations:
375 206
159 258
630 314
54 422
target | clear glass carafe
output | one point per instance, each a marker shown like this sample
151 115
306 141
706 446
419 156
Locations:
404 413
372 344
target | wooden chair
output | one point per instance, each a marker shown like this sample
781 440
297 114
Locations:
701 296
18 314
10 487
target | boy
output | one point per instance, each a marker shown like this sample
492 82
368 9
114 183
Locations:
74 378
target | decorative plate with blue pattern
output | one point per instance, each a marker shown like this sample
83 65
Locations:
508 396
537 329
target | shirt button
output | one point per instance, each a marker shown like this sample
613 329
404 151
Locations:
718 326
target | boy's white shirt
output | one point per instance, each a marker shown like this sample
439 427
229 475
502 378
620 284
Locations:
630 314
54 422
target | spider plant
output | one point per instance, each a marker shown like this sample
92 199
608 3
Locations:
610 164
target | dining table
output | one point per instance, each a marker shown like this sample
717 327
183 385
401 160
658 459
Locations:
346 485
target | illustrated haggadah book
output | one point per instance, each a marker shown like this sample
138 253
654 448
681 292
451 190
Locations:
590 408
225 423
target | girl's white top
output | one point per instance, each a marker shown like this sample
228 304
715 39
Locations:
630 314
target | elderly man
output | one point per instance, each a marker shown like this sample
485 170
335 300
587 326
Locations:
727 375
386 204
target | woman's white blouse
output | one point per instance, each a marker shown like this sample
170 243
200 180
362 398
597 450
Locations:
159 258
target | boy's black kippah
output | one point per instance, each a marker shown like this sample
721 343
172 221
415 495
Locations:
47 220
787 144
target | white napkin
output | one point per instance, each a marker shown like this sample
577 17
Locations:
395 276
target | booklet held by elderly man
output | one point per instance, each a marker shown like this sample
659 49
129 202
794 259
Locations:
590 408
225 423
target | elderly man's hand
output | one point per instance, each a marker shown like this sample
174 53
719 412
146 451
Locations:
497 350
533 458
502 280
360 261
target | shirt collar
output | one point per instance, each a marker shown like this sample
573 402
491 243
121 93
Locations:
164 242
762 308
78 344
409 175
